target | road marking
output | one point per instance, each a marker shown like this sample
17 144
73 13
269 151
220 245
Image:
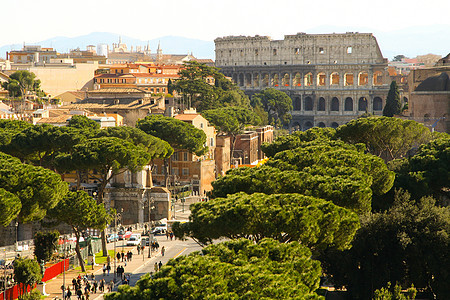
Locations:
179 253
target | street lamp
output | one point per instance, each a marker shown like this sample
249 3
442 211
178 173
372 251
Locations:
151 200
117 215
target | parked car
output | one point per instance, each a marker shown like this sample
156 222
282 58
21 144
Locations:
159 229
112 237
124 235
134 240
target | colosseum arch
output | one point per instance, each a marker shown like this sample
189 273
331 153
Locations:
256 79
334 125
296 126
309 104
275 80
285 81
321 125
241 79
334 104
321 104
308 79
334 78
308 125
348 79
297 103
248 80
377 78
321 79
265 80
377 104
362 104
297 79
348 104
363 78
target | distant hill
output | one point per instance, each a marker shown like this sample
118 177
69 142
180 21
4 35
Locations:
410 41
169 44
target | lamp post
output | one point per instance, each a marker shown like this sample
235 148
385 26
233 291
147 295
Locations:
115 237
150 202
16 224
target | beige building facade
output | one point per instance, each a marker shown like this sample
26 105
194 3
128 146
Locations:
331 78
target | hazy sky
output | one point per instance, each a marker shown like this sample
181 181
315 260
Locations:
35 20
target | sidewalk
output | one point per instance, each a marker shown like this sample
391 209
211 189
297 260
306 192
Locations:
53 286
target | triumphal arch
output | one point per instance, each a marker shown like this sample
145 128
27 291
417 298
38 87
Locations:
331 78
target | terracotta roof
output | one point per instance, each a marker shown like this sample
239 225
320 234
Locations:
186 117
117 90
62 119
154 75
115 75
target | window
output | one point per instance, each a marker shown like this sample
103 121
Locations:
185 156
211 142
321 105
175 171
321 50
155 169
334 104
185 172
175 156
201 125
256 52
349 50
274 51
309 104
296 51
348 105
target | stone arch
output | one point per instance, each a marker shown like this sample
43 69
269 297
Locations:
321 125
275 80
241 79
363 78
296 126
297 79
256 78
308 79
321 79
348 104
426 117
362 104
321 104
334 125
308 125
235 78
265 79
377 78
334 78
377 104
248 80
348 79
334 106
309 104
285 81
297 103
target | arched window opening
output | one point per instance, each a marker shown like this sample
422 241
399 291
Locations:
363 78
286 79
265 80
248 80
377 104
309 104
321 79
297 103
377 78
334 125
297 80
308 79
308 125
321 125
296 127
334 79
348 105
348 79
241 79
275 80
321 104
334 104
256 80
362 104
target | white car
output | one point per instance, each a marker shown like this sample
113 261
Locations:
134 240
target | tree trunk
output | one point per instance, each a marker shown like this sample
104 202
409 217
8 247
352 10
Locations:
233 143
103 236
166 173
77 250
100 200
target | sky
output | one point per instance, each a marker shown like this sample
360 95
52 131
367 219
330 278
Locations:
35 20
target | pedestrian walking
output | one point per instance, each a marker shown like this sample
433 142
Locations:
123 255
68 293
108 268
159 265
104 270
118 256
167 235
171 235
94 287
163 250
156 267
139 249
101 286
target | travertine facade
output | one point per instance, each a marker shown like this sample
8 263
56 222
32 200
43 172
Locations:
331 78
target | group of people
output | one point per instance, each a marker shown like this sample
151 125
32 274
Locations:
90 287
124 256
169 234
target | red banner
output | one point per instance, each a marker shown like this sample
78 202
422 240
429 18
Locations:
55 270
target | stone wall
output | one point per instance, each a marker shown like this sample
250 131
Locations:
331 78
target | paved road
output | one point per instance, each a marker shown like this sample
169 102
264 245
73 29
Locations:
140 264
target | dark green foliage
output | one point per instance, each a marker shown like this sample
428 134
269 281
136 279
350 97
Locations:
393 103
10 207
236 269
156 147
387 293
409 244
316 223
389 138
276 103
45 245
294 140
27 271
8 129
20 82
170 87
37 188
177 133
326 169
83 122
427 172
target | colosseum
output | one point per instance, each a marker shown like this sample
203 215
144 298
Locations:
331 78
